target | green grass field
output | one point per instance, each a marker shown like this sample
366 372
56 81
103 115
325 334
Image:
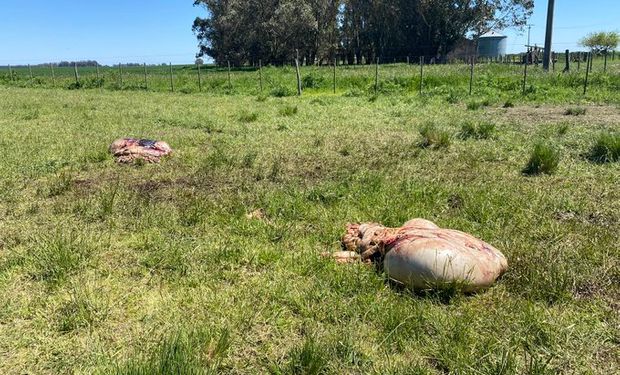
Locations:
490 79
152 269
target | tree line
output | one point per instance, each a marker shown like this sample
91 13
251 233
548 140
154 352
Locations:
355 31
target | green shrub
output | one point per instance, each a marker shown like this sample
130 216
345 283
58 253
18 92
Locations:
575 111
544 159
434 138
312 81
606 149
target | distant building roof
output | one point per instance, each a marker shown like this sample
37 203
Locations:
493 34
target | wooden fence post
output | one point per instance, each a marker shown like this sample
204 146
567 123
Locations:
421 73
567 61
297 72
605 63
146 81
377 76
30 71
260 75
53 75
97 69
11 73
471 76
585 84
526 63
199 79
77 77
171 79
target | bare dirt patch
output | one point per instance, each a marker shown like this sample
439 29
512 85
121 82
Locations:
601 114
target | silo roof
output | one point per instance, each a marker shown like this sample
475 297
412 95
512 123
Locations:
493 34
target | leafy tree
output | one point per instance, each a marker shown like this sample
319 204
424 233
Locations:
601 42
244 31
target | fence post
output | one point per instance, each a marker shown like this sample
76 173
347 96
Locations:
77 77
30 71
407 60
421 73
260 75
579 61
97 69
526 63
335 62
229 81
297 72
376 76
567 61
11 73
171 79
605 64
471 76
146 81
199 79
53 75
585 84
120 74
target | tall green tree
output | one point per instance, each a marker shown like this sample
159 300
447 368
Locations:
244 31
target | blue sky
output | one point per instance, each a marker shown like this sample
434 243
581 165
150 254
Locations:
156 31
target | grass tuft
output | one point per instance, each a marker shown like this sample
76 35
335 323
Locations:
575 111
55 256
544 159
606 149
288 110
482 130
248 117
433 137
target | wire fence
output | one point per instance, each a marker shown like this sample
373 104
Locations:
424 75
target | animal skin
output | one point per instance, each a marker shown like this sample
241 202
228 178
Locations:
128 150
422 255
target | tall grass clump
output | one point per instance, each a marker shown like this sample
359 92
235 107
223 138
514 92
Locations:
606 149
433 137
55 256
575 111
248 117
482 130
181 353
288 110
308 359
544 159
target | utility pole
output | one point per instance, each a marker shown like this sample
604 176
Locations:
549 35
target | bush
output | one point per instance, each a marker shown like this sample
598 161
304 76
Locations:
508 104
477 131
606 149
434 138
544 159
575 111
312 81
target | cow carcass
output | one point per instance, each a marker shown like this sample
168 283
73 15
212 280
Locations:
129 150
422 255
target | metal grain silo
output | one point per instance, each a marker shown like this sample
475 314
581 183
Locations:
492 44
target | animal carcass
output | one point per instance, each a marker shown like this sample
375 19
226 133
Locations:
128 150
422 255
